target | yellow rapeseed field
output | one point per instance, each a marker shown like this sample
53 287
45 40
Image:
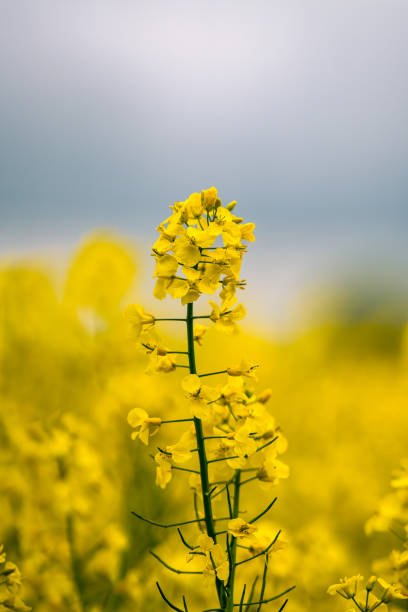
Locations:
192 450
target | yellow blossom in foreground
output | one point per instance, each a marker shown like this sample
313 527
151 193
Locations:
145 426
225 317
199 395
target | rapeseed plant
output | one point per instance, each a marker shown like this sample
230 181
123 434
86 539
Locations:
230 438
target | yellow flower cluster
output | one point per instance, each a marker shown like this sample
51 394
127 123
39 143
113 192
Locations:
392 515
368 598
200 250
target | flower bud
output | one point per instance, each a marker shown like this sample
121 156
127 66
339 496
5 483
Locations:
371 582
264 396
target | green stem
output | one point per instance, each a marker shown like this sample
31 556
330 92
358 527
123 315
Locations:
176 421
205 484
213 373
235 512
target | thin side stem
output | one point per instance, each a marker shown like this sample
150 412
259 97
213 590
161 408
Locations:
258 516
261 596
172 606
169 567
212 373
169 320
162 525
176 421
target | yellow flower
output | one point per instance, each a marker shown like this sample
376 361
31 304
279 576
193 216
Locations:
265 535
205 543
390 592
233 390
160 288
199 395
138 319
216 558
160 362
399 560
144 425
231 234
400 476
264 396
178 288
220 558
194 206
273 470
243 369
242 444
240 528
226 316
347 587
209 198
210 279
163 469
194 482
247 231
191 296
166 266
187 253
162 245
204 236
199 331
181 451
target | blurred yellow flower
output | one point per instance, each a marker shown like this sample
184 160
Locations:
240 528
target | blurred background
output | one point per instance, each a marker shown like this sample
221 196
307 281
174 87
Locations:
111 111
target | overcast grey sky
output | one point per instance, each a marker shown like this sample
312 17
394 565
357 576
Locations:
112 109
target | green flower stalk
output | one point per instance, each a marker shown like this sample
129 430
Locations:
230 438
